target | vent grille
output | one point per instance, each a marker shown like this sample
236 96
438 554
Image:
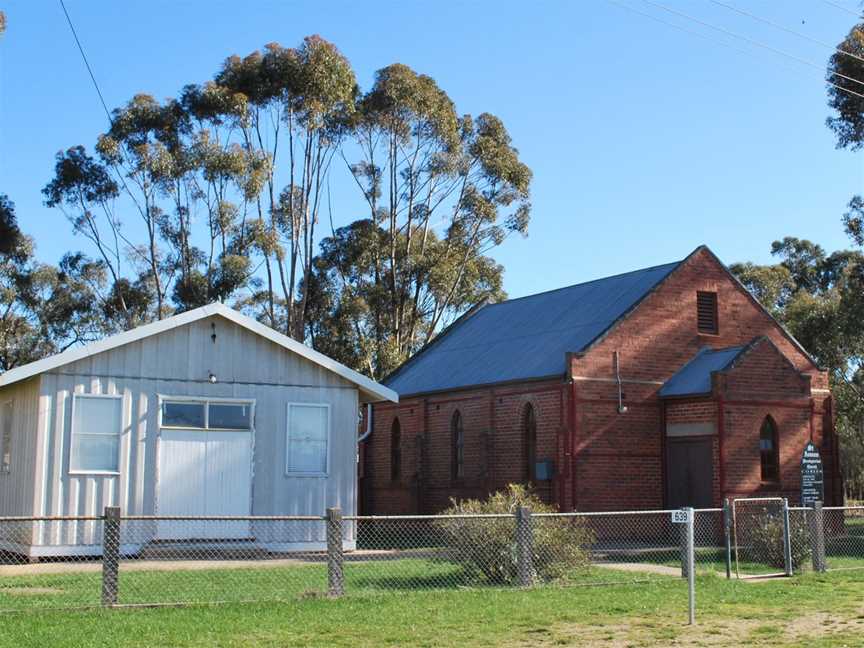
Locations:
706 312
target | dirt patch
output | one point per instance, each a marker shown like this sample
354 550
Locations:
713 633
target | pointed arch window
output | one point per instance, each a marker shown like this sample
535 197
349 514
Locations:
457 442
396 450
529 443
769 452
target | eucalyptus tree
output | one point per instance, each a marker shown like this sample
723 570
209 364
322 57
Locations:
85 192
300 103
161 163
845 69
846 98
43 309
221 178
350 303
219 193
143 149
445 190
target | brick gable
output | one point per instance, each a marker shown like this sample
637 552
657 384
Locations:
660 335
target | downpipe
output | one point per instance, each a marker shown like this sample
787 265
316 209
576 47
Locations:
368 431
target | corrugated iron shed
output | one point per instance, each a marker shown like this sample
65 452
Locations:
525 338
695 376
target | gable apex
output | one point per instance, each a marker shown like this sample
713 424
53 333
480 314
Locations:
367 386
737 282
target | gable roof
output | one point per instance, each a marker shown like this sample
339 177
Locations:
527 337
695 376
369 387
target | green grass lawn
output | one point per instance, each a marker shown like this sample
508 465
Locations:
259 584
811 610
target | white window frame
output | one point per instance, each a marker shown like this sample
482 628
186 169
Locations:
75 398
207 401
303 473
5 470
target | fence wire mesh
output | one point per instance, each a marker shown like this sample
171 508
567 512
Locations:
220 560
844 537
76 562
34 577
827 539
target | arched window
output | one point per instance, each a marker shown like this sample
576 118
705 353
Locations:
529 442
769 452
395 450
457 449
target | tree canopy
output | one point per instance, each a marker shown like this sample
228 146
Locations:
224 193
43 309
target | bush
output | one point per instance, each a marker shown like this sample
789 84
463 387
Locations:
486 547
766 540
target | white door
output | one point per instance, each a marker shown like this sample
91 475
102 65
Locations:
204 472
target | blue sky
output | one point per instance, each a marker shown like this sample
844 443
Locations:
645 141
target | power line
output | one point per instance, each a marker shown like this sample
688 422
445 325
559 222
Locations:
709 38
842 8
87 63
786 29
749 40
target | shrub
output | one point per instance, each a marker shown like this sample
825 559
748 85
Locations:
766 540
486 547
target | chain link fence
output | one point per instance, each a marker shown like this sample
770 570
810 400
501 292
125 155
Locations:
114 560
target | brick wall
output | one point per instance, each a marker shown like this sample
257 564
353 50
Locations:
692 411
762 372
494 451
617 459
741 448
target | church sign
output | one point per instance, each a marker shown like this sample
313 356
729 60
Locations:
812 489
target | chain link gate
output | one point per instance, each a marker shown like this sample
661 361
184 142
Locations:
761 537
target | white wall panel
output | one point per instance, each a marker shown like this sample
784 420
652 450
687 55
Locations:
178 363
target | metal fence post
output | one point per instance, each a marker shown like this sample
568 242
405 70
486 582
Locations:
817 537
682 542
727 535
787 539
691 565
335 577
110 555
524 546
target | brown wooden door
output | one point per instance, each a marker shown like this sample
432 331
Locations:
690 472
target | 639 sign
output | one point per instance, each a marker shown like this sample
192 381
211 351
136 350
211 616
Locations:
681 516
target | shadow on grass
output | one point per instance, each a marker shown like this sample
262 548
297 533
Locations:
412 582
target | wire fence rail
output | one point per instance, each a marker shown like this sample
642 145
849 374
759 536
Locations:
114 560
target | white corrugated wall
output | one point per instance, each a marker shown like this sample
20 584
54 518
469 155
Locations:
178 363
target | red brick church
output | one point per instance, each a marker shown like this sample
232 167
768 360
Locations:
658 388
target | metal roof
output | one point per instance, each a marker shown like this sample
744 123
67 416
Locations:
525 338
695 376
368 387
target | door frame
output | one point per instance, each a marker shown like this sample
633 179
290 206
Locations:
203 399
708 439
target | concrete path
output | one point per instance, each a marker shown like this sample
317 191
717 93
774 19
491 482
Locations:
644 568
263 562
37 569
